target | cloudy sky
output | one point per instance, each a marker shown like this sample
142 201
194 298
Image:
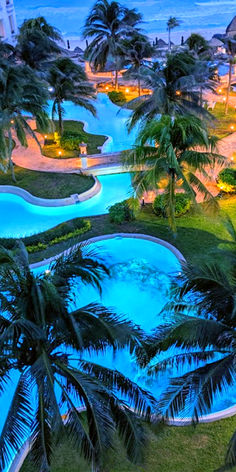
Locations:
207 16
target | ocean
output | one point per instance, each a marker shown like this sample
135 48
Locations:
204 16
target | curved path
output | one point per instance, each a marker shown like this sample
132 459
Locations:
32 159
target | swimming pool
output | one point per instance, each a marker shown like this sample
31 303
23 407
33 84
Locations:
111 121
20 218
139 287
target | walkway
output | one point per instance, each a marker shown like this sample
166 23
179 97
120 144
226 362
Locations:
31 158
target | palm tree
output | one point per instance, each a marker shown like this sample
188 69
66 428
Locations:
47 339
202 326
21 92
134 50
37 43
197 44
69 82
174 90
108 23
173 149
230 44
171 24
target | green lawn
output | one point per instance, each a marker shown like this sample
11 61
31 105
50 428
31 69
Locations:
196 234
221 127
48 184
94 141
168 449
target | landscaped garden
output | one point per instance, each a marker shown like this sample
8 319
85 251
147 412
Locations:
104 342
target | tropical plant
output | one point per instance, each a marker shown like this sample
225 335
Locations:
121 212
108 23
174 90
172 23
226 180
21 92
201 327
182 204
134 50
168 153
37 43
49 340
69 82
230 45
197 43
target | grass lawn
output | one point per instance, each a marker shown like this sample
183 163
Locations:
94 141
169 449
221 127
196 233
48 184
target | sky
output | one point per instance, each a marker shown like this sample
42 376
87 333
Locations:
204 16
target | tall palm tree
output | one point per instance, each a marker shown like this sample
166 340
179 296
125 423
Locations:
174 90
172 23
21 93
47 339
202 325
37 43
230 45
108 23
69 82
173 149
134 50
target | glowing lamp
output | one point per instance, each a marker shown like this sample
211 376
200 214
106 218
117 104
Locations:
224 99
232 127
83 149
220 90
12 122
59 153
232 158
178 93
107 88
47 272
45 136
127 90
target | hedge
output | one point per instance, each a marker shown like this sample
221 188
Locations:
118 98
226 180
121 212
58 234
182 204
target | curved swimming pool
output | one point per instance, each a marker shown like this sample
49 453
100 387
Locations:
141 272
20 218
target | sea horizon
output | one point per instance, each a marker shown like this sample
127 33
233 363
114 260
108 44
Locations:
206 17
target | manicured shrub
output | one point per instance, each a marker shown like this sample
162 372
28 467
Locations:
121 212
227 180
58 234
182 204
71 141
117 97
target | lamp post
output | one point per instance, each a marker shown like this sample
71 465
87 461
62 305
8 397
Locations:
83 155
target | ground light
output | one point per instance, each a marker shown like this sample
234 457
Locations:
178 93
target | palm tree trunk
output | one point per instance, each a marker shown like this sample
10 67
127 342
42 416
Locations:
10 148
201 96
229 87
171 206
139 82
60 121
169 41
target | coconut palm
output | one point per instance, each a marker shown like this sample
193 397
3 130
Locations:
69 82
37 43
173 149
202 326
108 23
197 44
230 45
171 24
48 340
173 90
134 50
21 93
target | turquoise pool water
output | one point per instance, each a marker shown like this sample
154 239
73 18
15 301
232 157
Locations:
111 121
138 289
19 218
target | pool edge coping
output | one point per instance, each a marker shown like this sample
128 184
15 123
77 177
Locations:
54 202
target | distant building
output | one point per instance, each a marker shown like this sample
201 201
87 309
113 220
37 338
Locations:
8 25
231 29
217 46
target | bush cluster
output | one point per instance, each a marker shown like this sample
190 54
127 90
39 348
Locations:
182 204
58 234
121 212
70 141
117 97
227 180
